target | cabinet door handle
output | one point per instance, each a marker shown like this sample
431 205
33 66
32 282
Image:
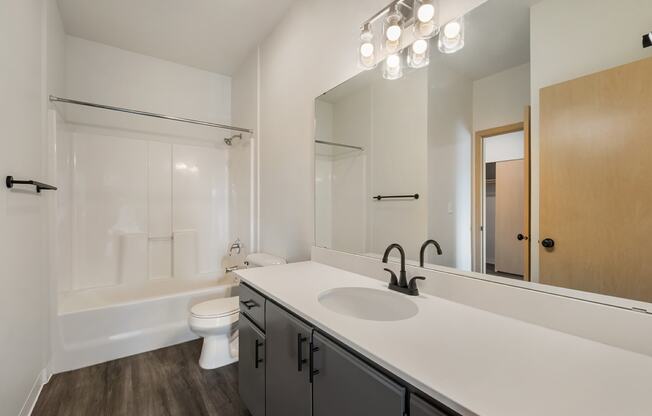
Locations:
300 360
313 372
257 358
249 303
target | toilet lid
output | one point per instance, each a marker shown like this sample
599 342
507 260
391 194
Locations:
216 308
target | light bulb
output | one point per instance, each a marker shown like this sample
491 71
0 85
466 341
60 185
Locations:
393 68
393 61
393 30
452 30
426 12
420 46
367 50
426 23
419 55
393 33
451 38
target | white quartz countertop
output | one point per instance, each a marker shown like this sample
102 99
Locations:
475 362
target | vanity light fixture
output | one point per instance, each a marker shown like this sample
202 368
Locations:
407 26
451 37
393 29
426 13
419 54
647 40
367 50
393 66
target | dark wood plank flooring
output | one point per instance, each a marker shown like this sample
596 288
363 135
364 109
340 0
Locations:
168 381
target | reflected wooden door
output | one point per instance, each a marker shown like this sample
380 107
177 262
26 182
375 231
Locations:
509 217
596 182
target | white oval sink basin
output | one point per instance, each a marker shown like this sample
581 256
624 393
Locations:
367 303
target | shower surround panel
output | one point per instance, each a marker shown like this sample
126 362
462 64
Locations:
140 209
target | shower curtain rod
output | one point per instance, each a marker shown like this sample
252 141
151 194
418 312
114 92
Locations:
148 114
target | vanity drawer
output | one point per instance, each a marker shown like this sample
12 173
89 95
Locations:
252 305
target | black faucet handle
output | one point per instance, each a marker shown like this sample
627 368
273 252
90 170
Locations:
413 282
393 280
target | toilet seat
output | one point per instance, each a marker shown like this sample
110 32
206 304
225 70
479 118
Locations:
216 308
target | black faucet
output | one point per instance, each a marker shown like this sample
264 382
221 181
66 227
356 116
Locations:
401 284
423 250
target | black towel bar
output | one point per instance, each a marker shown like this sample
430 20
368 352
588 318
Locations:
381 197
10 182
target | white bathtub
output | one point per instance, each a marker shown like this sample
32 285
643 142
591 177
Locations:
98 325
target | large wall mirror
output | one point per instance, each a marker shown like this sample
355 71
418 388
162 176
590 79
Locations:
526 155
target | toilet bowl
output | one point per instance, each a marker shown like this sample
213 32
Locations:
217 321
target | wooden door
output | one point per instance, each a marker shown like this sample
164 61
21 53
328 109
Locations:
596 182
509 217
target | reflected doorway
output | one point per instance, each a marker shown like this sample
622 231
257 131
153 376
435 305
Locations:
502 201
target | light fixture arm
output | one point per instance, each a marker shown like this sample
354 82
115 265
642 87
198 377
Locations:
409 4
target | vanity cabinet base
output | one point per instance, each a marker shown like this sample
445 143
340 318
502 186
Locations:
288 388
251 367
345 386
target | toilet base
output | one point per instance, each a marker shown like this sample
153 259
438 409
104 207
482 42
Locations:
218 351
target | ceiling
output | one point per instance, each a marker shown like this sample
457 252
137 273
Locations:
215 35
497 37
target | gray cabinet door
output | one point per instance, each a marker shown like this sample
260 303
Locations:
251 367
419 407
288 387
345 386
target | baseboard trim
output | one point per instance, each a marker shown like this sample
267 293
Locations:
42 378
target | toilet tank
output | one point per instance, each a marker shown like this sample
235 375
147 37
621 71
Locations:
262 260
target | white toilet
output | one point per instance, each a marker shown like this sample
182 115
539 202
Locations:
217 321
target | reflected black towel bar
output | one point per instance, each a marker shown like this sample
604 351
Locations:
10 181
381 197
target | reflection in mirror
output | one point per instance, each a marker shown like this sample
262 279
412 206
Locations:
529 150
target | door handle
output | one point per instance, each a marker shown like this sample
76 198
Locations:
313 372
257 358
548 243
300 360
521 237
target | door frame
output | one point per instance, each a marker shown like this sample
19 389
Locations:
479 190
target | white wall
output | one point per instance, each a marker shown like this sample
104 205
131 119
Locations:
504 147
351 125
244 155
311 51
323 201
450 134
323 174
31 52
399 163
107 75
500 99
557 57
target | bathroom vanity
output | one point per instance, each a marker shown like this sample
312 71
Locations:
319 340
289 365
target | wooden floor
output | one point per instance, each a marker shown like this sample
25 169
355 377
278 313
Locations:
168 381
